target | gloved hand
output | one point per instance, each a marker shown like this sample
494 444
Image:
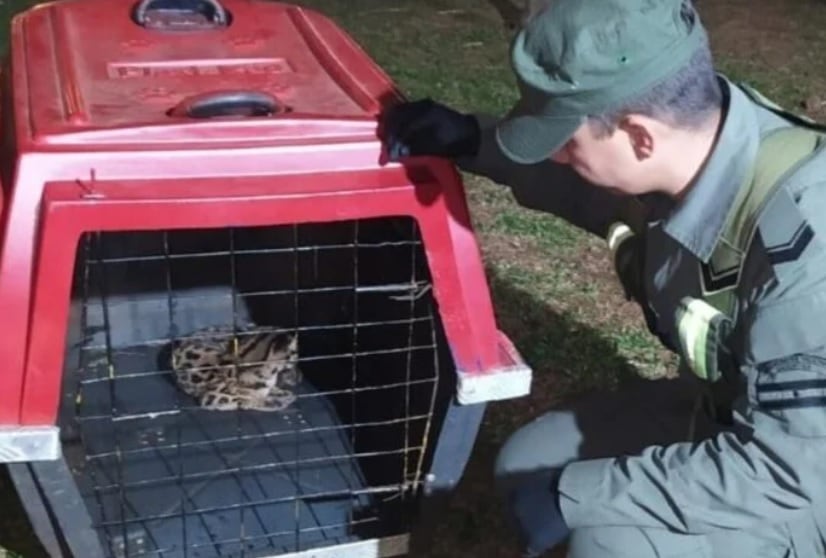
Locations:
426 127
535 508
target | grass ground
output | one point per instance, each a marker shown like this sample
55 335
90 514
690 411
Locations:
553 291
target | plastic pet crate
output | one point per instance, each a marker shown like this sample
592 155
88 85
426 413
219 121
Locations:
169 166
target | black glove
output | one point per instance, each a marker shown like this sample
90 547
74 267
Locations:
534 504
425 127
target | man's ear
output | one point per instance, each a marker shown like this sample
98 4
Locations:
638 130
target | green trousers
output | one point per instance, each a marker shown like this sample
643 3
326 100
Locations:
625 422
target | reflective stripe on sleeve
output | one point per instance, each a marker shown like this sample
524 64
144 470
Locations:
701 329
617 233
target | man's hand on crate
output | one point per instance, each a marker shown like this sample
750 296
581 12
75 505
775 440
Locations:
425 127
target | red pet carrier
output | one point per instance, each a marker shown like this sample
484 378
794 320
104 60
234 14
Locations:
230 328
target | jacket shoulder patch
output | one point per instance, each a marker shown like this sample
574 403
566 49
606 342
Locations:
785 230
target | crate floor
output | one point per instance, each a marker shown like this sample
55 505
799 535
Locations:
196 483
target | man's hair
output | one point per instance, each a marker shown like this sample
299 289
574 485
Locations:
685 99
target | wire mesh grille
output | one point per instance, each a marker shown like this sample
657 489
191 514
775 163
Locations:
163 476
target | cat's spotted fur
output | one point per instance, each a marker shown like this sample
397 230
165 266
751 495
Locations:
259 374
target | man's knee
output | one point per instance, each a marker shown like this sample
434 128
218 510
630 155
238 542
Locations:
552 440
633 542
600 425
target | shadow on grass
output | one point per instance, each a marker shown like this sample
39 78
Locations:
556 345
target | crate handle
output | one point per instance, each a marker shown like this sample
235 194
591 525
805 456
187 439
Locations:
227 103
184 14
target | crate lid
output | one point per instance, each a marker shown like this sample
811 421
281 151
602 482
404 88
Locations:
184 71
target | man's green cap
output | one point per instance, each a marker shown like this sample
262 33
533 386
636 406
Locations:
578 58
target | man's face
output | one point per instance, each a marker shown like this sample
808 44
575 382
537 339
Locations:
616 160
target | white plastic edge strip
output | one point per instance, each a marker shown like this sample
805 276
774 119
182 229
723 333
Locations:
616 234
29 443
505 383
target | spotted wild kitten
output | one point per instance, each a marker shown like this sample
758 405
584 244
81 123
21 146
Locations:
264 379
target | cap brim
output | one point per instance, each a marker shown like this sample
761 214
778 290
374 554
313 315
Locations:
530 139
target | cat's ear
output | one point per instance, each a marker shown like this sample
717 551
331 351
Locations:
279 349
292 346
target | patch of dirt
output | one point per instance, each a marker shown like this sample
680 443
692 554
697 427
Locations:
777 40
752 29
